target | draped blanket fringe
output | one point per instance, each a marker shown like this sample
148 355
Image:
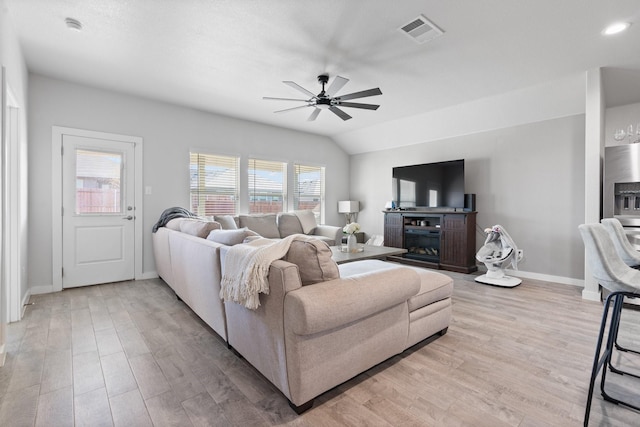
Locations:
246 269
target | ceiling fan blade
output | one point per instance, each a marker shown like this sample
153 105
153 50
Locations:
296 86
362 94
338 112
358 105
337 84
290 109
313 115
270 98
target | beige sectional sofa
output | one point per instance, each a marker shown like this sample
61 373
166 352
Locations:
308 337
189 261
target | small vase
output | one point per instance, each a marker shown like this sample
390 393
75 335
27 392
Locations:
352 243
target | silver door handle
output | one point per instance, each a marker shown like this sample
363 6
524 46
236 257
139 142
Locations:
128 217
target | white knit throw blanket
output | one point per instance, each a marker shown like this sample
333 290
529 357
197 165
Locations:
246 268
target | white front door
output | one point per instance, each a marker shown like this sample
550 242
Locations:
98 215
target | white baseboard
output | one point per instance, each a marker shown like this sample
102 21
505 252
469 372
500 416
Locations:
148 275
591 295
546 277
47 289
539 276
44 289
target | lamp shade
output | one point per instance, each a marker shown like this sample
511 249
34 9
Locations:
348 206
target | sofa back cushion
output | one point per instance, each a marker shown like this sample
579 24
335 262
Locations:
193 226
174 224
288 224
265 225
230 237
226 221
313 258
199 228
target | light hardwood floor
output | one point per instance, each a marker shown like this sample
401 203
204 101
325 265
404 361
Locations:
130 354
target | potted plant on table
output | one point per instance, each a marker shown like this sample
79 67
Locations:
352 242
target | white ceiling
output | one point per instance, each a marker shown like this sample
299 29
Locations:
223 56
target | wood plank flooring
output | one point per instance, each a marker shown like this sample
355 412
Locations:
131 354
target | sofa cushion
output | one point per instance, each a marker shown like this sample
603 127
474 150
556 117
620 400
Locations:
434 286
307 220
265 225
199 228
174 224
288 224
313 258
226 221
230 237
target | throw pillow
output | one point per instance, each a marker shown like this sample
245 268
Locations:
288 224
313 258
199 228
226 221
307 220
230 237
265 225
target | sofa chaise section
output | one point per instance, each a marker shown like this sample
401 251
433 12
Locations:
309 339
306 340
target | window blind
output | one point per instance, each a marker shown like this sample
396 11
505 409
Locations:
309 189
267 186
214 184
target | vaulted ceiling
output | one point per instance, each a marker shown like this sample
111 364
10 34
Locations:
223 56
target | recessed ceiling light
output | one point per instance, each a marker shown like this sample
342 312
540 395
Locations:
616 28
73 24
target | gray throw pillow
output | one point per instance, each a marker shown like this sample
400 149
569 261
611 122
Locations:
288 224
313 258
226 221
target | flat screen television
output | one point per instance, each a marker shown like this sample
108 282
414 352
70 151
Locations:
432 185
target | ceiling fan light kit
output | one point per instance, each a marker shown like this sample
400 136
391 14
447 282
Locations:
326 99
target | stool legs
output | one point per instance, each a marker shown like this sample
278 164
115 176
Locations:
617 298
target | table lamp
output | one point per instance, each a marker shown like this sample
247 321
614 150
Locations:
350 209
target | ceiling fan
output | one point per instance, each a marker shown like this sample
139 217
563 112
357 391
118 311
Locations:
326 100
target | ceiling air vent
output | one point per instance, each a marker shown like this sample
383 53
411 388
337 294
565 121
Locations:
421 29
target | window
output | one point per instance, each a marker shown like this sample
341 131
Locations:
98 177
214 184
267 183
309 190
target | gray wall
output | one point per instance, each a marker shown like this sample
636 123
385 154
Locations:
528 178
169 131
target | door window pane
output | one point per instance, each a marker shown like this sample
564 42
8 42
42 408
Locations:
98 179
